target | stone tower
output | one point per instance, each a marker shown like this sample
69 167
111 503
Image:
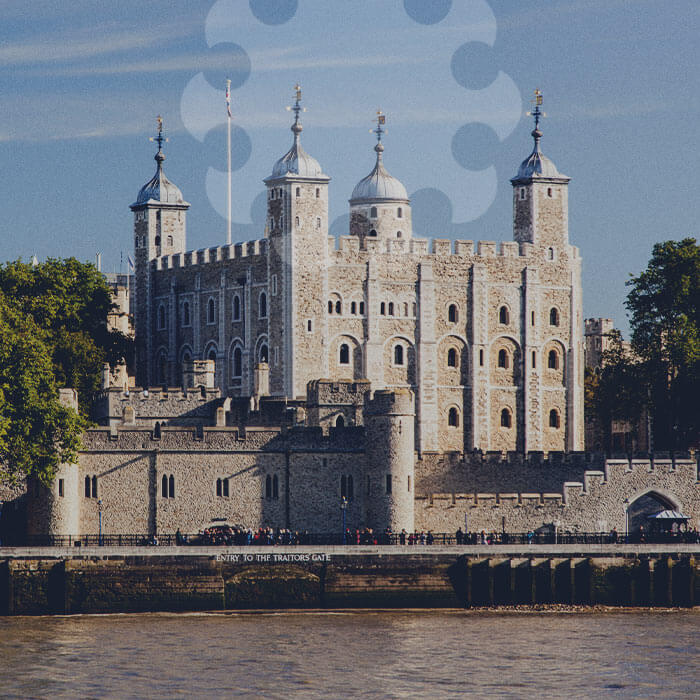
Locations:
297 224
540 196
379 205
389 417
159 229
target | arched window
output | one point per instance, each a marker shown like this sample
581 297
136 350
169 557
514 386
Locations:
405 309
263 353
237 362
211 311
554 418
161 317
452 313
318 193
373 214
534 359
212 355
453 417
399 213
452 357
382 309
503 315
164 486
373 233
338 307
330 307
505 418
399 234
157 240
170 241
263 305
171 487
353 308
398 354
186 314
503 358
391 308
344 358
268 486
553 359
275 487
236 308
340 422
298 192
553 317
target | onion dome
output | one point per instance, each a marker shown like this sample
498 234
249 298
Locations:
379 184
537 165
296 161
159 189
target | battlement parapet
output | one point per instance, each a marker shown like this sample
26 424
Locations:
204 256
390 402
331 392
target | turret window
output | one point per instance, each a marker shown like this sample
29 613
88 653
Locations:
503 315
211 311
503 359
318 193
452 313
549 191
398 355
506 419
553 359
237 362
452 357
522 193
554 418
344 355
298 192
399 213
373 213
453 417
553 317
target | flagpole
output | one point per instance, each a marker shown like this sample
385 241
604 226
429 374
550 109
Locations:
228 140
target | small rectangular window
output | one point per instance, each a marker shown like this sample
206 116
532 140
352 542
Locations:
388 483
409 483
224 483
276 355
60 487
481 358
309 325
369 484
273 285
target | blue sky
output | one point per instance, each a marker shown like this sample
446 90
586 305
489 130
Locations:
82 82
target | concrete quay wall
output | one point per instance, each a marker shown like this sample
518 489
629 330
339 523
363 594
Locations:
103 580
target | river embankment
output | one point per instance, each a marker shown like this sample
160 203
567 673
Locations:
129 579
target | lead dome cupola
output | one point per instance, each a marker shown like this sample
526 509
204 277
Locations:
296 161
159 188
379 185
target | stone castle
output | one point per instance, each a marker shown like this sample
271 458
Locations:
423 385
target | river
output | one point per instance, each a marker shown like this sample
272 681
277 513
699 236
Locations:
402 654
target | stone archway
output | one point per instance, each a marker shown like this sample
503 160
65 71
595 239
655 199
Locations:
647 504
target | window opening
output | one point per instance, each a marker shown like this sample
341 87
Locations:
505 418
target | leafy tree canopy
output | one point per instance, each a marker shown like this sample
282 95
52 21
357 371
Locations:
53 334
664 302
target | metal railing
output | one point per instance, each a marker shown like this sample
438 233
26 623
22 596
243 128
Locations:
353 538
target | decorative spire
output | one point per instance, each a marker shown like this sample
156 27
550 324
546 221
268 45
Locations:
537 113
297 109
381 121
160 140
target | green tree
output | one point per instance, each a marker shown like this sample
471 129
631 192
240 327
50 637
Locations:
37 432
68 302
615 392
664 303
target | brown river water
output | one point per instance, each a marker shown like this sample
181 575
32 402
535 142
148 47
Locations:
401 654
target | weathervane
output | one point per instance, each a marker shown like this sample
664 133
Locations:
160 139
381 120
296 107
537 113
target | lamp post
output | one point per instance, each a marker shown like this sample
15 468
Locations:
627 520
99 516
343 508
